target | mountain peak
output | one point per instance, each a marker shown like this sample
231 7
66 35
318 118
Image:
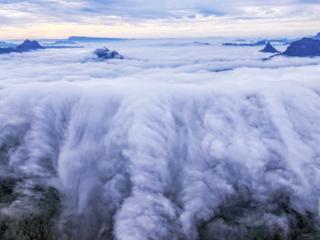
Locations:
29 45
269 49
317 37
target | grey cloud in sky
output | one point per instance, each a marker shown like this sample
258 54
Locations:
75 10
71 14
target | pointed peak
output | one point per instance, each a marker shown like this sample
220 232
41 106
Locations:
269 48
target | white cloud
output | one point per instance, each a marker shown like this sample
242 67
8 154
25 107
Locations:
155 146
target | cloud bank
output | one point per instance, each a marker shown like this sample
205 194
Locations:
161 146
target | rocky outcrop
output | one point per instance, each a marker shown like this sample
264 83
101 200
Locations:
29 45
269 49
306 47
105 53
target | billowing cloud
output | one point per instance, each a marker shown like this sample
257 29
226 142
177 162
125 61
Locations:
163 144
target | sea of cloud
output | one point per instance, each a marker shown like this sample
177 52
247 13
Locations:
177 141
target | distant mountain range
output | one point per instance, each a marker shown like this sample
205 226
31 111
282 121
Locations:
305 47
259 43
82 39
4 44
26 46
283 41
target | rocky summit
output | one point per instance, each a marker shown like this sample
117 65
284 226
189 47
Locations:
306 47
105 53
269 49
29 45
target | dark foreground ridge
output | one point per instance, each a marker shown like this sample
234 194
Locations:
37 221
238 217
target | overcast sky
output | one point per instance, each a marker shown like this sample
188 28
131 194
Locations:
154 18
